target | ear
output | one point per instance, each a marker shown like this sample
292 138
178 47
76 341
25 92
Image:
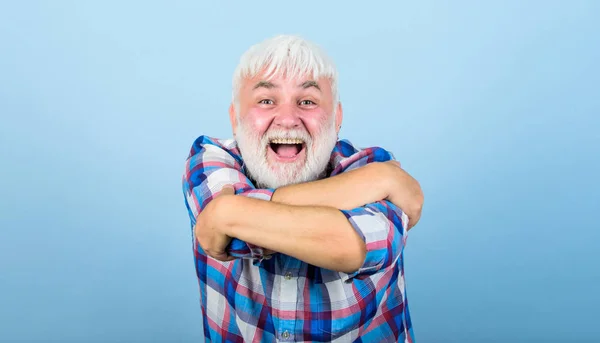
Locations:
339 115
232 117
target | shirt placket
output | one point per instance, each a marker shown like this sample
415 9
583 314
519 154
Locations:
289 296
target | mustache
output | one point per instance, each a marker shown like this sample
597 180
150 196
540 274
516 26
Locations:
287 134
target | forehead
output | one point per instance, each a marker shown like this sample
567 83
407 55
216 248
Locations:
304 81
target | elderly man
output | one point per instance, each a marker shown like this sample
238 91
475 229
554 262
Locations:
298 236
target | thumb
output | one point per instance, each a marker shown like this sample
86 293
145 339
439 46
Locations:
396 163
227 190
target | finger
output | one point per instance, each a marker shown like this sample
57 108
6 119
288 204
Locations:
412 222
396 163
227 190
197 229
223 257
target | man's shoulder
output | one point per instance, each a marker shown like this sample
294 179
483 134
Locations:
346 156
228 145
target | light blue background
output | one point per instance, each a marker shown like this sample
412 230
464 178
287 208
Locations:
493 106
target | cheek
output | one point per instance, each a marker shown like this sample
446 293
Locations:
316 124
257 121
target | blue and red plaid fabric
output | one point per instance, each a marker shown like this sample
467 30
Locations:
258 298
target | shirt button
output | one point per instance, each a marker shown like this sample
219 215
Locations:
288 276
285 335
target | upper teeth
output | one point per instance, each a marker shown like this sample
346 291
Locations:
286 141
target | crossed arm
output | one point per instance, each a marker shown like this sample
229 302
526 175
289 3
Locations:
314 221
319 235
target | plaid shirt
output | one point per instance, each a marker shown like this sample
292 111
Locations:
280 298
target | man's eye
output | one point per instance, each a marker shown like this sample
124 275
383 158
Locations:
266 102
306 102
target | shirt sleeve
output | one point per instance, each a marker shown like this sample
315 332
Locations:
381 225
209 167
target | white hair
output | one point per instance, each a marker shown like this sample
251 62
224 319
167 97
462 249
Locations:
292 55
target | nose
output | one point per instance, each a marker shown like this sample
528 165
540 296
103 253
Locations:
288 118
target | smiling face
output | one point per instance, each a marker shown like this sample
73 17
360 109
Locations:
285 127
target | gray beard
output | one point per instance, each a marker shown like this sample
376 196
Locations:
255 175
315 167
262 185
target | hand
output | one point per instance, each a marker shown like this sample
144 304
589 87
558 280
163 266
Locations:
405 193
208 229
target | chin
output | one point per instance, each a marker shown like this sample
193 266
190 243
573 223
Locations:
270 169
279 173
281 158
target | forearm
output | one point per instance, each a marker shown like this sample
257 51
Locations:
344 191
318 235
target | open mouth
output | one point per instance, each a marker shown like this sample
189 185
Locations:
287 148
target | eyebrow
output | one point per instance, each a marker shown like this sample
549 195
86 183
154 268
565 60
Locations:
270 85
264 84
308 84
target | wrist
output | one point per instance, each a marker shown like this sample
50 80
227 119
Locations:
385 179
223 214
